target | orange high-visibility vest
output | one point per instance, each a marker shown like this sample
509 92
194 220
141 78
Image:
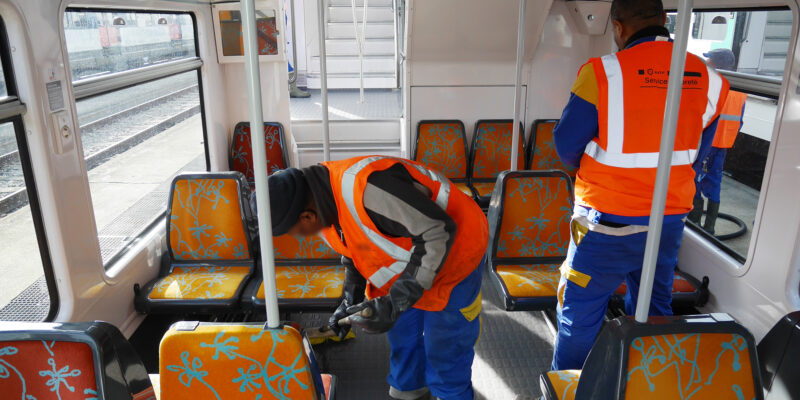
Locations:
618 169
380 258
730 120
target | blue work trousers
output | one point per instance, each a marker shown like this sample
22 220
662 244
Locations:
709 180
596 265
435 349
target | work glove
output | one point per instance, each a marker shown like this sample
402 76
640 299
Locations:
379 319
353 293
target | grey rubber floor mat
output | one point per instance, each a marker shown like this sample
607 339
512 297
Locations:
513 350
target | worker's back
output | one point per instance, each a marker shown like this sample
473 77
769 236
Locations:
617 172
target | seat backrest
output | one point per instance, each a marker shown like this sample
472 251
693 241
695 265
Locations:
442 146
698 357
227 361
242 149
209 218
529 217
778 354
491 148
541 149
289 249
81 360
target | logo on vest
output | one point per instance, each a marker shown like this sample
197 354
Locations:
659 79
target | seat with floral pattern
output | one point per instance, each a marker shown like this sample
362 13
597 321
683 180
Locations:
76 360
241 156
687 292
698 357
308 273
209 256
491 154
541 149
236 361
442 146
528 236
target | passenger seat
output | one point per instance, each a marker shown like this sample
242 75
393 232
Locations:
528 236
200 360
241 156
698 357
442 146
72 360
491 154
541 149
308 272
687 292
210 250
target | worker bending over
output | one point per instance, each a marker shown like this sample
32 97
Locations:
709 172
416 243
611 130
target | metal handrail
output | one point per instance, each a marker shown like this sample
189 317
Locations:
518 84
323 79
97 85
668 133
260 162
766 85
293 79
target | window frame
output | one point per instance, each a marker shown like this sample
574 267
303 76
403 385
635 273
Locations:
97 86
12 111
764 86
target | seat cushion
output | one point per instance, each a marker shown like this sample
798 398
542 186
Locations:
38 369
200 283
564 383
463 187
307 282
679 285
538 280
484 188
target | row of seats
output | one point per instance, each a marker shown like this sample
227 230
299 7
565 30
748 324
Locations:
212 266
442 146
694 357
93 360
529 233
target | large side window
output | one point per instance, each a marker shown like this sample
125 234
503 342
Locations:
746 46
137 88
27 289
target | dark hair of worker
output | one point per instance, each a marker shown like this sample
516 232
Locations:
636 12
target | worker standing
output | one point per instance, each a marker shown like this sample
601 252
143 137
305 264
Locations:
709 172
611 129
416 243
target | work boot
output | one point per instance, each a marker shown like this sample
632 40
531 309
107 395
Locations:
420 394
294 91
711 216
697 211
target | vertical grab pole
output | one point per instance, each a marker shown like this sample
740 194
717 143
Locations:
668 133
294 42
259 161
518 85
323 78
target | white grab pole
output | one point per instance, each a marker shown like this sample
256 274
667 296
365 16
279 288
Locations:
253 79
323 79
518 85
669 130
294 43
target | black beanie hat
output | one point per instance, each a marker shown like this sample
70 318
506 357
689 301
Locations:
289 194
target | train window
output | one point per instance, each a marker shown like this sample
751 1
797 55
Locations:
27 290
108 41
748 43
136 136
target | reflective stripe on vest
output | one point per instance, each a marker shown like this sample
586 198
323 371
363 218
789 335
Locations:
613 155
730 120
403 256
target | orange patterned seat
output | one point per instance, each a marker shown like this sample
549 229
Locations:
442 146
491 154
241 156
687 292
528 236
541 150
210 246
699 357
78 360
308 273
236 361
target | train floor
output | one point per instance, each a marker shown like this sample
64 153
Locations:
513 349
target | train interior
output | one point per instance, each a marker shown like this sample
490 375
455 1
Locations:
119 118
